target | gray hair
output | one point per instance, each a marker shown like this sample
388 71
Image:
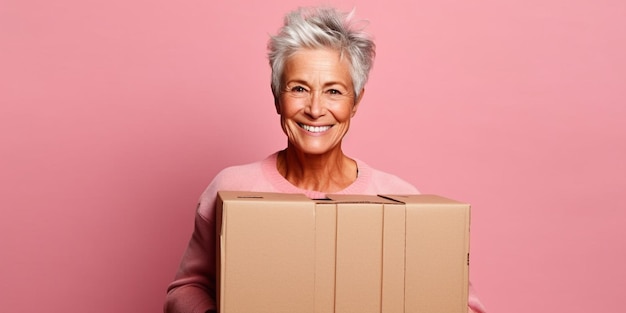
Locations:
322 27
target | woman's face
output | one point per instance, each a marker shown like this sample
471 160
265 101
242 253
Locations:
317 100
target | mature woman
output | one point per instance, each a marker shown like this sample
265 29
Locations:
320 62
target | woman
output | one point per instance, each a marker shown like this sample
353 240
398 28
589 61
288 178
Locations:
320 63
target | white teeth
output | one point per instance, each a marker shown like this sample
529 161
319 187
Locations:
315 129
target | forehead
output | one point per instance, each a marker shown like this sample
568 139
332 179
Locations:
317 64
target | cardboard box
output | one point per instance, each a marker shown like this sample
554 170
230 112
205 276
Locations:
353 253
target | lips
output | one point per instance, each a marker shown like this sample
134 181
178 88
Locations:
314 129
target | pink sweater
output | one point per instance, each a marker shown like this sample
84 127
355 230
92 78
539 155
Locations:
193 289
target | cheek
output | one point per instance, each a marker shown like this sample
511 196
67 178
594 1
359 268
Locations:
344 112
290 107
287 112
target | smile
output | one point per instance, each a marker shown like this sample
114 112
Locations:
314 129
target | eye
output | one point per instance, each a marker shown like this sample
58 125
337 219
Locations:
334 92
298 89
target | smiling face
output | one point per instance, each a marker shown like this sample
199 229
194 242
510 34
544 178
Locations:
317 100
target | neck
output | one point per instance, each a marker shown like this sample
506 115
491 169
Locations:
329 172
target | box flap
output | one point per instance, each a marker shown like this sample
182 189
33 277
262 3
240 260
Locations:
227 195
266 249
437 250
421 198
340 198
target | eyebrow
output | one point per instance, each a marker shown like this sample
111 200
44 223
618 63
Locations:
304 82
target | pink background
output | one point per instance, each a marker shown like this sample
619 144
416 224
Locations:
116 114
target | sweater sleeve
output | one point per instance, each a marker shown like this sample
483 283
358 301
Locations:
473 302
193 289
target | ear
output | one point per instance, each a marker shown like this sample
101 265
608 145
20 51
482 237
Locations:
277 105
357 101
276 102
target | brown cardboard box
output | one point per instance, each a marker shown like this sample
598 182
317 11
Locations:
354 253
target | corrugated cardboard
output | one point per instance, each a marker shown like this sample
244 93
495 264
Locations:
325 249
358 257
287 253
267 254
436 255
394 248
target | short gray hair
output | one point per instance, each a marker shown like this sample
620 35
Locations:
322 27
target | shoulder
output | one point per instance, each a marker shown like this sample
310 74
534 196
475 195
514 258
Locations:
237 177
391 183
379 182
233 175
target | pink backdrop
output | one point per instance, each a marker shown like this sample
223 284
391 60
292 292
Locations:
116 114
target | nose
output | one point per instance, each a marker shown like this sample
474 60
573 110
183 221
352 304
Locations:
315 107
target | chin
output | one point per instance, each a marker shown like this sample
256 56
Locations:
315 150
